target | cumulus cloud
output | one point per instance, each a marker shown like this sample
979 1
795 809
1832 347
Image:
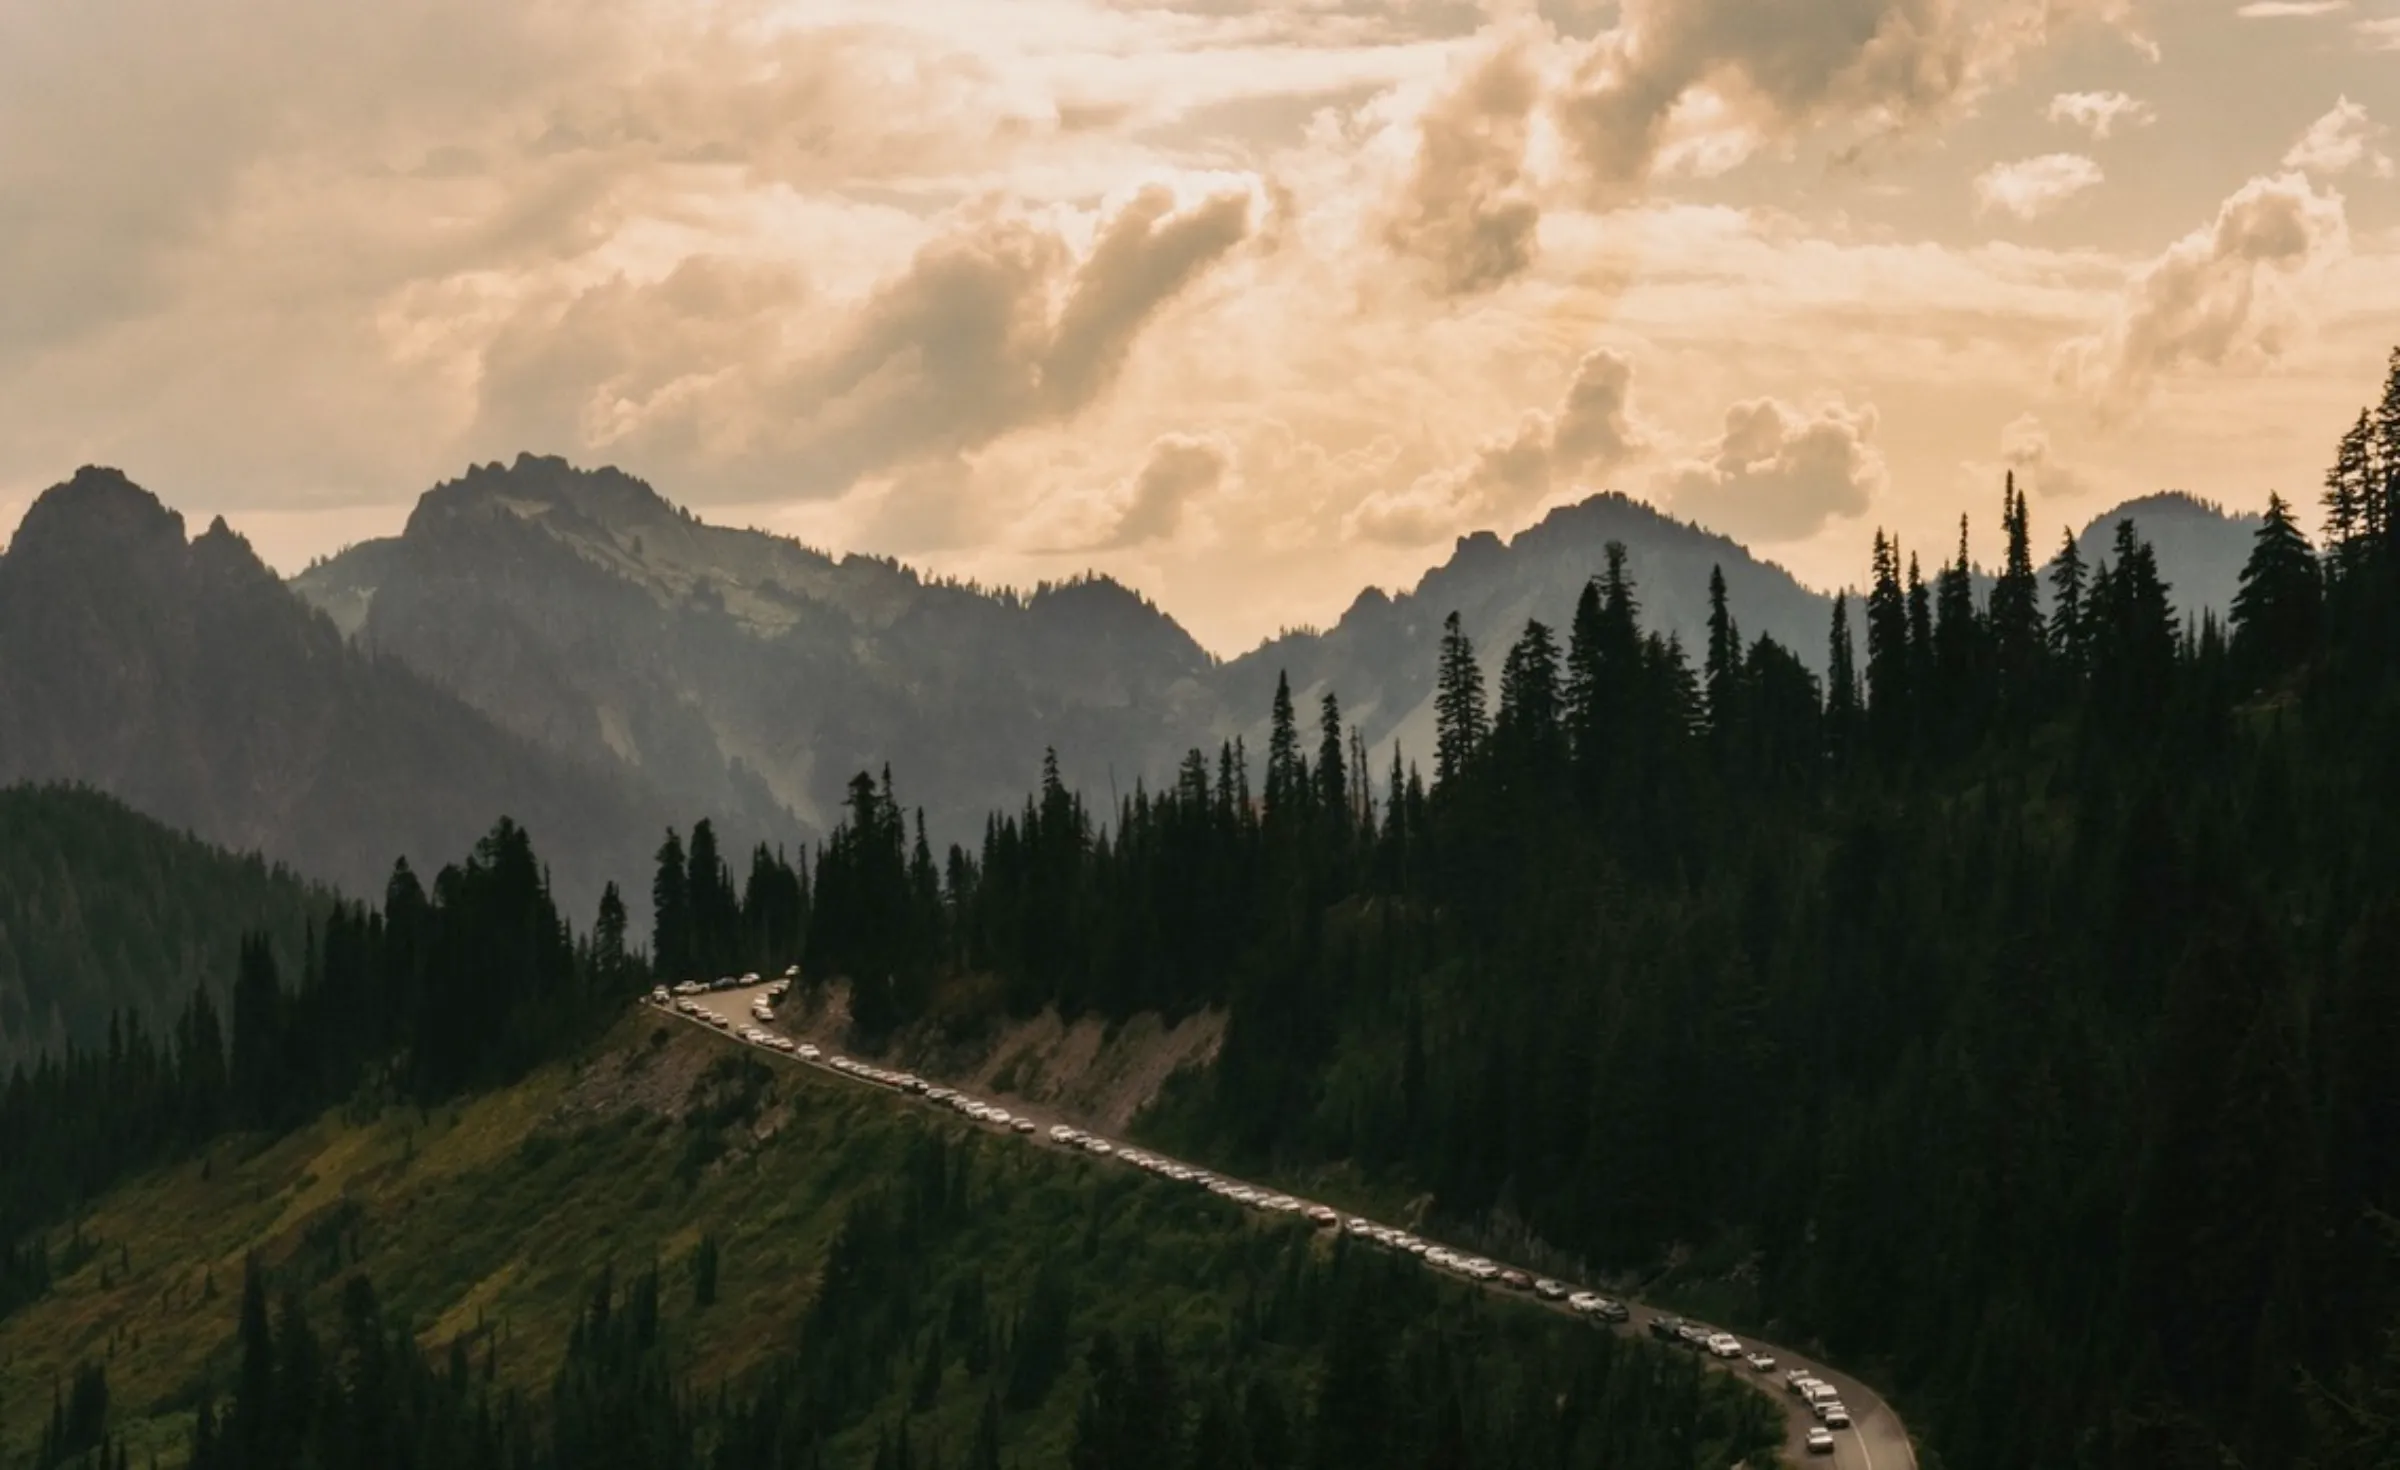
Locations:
2341 140
1778 474
1879 66
2228 291
2098 113
2380 34
1465 210
1180 469
2027 452
1593 429
2031 187
957 349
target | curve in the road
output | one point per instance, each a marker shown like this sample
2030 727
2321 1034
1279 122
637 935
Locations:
1875 1440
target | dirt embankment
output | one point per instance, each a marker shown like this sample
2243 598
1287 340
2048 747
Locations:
1084 1070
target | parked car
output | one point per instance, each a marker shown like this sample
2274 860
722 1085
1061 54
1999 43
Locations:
1763 1362
1835 1416
1820 1441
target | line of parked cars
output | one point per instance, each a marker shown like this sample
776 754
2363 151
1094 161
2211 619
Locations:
1821 1397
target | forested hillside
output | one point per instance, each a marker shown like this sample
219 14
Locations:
103 910
667 1254
2016 1011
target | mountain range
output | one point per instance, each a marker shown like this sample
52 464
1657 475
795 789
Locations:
570 647
184 678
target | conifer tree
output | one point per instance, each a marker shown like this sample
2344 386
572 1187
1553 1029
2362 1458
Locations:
1920 637
2383 504
671 910
1458 705
1841 692
2276 610
1333 767
1724 659
2067 639
1887 647
611 965
1284 795
2349 493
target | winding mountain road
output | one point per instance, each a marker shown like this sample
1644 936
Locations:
1875 1440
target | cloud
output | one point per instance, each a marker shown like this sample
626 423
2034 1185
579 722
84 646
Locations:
2031 187
1777 474
1465 211
2289 9
1876 66
1180 469
2026 452
2100 112
2340 141
956 350
1594 429
2223 292
2381 34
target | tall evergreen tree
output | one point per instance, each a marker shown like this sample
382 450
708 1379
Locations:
1460 724
1723 665
2349 491
1841 692
1888 672
2276 610
2017 634
1333 766
1284 793
671 910
2067 578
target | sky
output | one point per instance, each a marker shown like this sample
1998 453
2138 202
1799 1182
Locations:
1249 306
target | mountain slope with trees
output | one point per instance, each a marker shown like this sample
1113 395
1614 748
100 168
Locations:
666 1252
184 678
747 673
105 912
2009 1011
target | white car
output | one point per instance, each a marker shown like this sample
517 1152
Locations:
1001 1116
809 1052
1817 1393
1820 1441
1022 1125
1834 1415
1763 1362
1725 1345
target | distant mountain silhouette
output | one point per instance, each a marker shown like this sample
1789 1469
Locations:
1379 658
185 679
744 673
738 671
2200 546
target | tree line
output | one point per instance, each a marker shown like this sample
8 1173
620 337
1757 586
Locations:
459 985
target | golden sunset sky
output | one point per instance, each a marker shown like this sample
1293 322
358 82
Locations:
1246 305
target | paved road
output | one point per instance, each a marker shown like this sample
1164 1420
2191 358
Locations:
1876 1440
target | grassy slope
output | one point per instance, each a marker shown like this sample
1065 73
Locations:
498 1211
